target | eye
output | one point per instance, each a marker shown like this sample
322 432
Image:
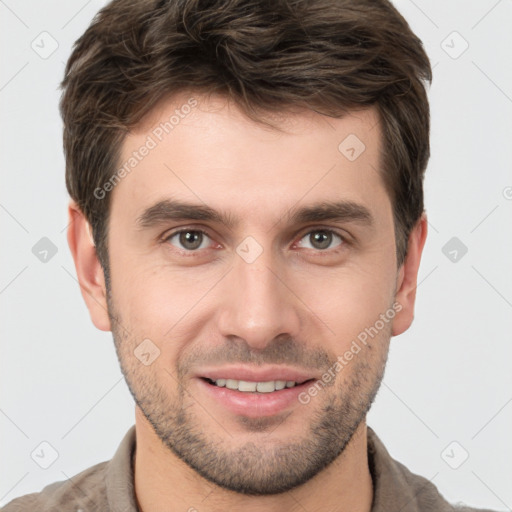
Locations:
192 240
188 239
321 239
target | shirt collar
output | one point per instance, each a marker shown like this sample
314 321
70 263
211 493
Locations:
119 479
394 486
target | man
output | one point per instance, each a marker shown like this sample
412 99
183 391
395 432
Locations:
247 219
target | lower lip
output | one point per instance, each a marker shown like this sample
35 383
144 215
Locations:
254 405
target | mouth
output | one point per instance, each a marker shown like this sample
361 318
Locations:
246 386
251 398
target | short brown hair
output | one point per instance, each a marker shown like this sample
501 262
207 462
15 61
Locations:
330 56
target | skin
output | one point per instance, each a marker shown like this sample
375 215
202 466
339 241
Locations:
297 305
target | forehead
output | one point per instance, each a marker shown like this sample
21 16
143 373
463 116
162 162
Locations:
205 150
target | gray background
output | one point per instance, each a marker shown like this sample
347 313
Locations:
447 391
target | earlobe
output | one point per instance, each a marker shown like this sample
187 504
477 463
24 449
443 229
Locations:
88 268
408 277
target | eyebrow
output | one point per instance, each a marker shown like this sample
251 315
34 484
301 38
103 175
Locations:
171 209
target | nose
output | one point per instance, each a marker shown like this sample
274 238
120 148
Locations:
258 303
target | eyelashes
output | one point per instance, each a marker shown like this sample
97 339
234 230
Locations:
194 240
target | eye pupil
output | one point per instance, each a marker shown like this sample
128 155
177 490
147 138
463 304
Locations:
321 239
191 239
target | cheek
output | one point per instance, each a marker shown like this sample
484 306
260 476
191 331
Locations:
161 303
349 300
171 305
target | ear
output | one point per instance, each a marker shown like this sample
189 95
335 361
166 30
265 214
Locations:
408 276
88 268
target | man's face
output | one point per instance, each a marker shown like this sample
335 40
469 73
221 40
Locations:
273 296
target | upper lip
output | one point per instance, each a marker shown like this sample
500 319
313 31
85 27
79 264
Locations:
266 374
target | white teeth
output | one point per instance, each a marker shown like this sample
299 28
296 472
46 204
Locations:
231 384
265 387
251 387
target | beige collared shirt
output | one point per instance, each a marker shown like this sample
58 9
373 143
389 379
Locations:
108 486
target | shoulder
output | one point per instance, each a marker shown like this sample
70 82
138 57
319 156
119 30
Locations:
84 491
397 488
464 508
427 497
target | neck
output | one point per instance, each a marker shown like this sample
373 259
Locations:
165 483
